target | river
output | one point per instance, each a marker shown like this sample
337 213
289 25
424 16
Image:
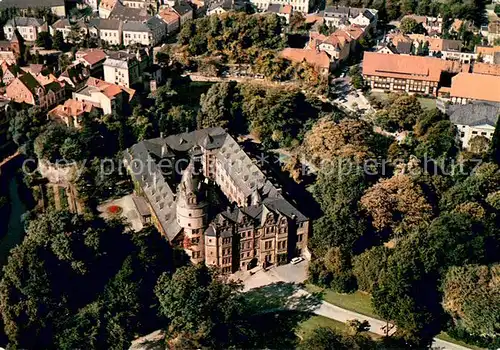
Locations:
15 230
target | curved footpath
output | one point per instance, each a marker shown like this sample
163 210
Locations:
297 274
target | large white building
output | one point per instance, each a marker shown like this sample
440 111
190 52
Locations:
122 68
297 5
147 33
475 119
28 27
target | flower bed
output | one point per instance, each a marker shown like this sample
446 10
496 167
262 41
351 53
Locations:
114 210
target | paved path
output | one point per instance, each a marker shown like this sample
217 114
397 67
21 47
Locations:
298 274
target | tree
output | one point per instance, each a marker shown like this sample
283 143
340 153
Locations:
325 338
200 305
44 39
408 25
471 295
24 127
347 138
398 204
494 151
402 113
479 144
58 41
216 106
369 266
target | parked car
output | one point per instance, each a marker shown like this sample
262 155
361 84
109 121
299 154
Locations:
296 260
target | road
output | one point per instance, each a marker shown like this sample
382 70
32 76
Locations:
298 274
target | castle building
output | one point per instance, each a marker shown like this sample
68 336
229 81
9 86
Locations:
258 226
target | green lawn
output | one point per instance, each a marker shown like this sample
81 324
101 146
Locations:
446 337
358 302
306 327
427 103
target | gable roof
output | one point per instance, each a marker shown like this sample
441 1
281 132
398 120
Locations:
168 15
315 58
25 22
403 67
481 87
485 68
474 114
94 56
24 4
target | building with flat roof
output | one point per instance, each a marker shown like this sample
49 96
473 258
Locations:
181 176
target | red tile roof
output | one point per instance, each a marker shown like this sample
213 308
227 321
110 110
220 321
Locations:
404 67
485 68
94 56
315 58
168 15
476 86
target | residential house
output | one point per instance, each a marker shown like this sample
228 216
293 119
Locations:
122 68
487 54
387 49
405 73
402 43
340 16
449 50
486 68
28 27
110 31
57 7
367 18
302 6
124 13
6 52
106 96
106 6
9 72
318 59
219 7
334 45
71 112
64 26
474 119
74 76
148 33
284 11
184 10
147 4
42 92
93 60
171 19
433 25
493 32
261 229
469 87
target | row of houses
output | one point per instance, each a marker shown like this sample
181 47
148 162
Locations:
429 76
326 52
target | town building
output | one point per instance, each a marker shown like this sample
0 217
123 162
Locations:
492 31
470 87
28 27
57 7
340 16
488 54
486 68
220 7
403 44
71 112
184 10
146 4
171 19
302 6
109 31
124 13
9 72
317 59
6 52
122 68
64 26
43 92
106 6
335 46
260 228
147 33
74 77
284 11
433 25
106 96
405 73
474 119
93 60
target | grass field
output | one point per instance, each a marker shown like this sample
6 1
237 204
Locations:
427 103
358 302
446 337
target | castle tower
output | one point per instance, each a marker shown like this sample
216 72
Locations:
192 213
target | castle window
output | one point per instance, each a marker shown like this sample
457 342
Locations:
189 224
299 238
190 214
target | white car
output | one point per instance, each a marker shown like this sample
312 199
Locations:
296 260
